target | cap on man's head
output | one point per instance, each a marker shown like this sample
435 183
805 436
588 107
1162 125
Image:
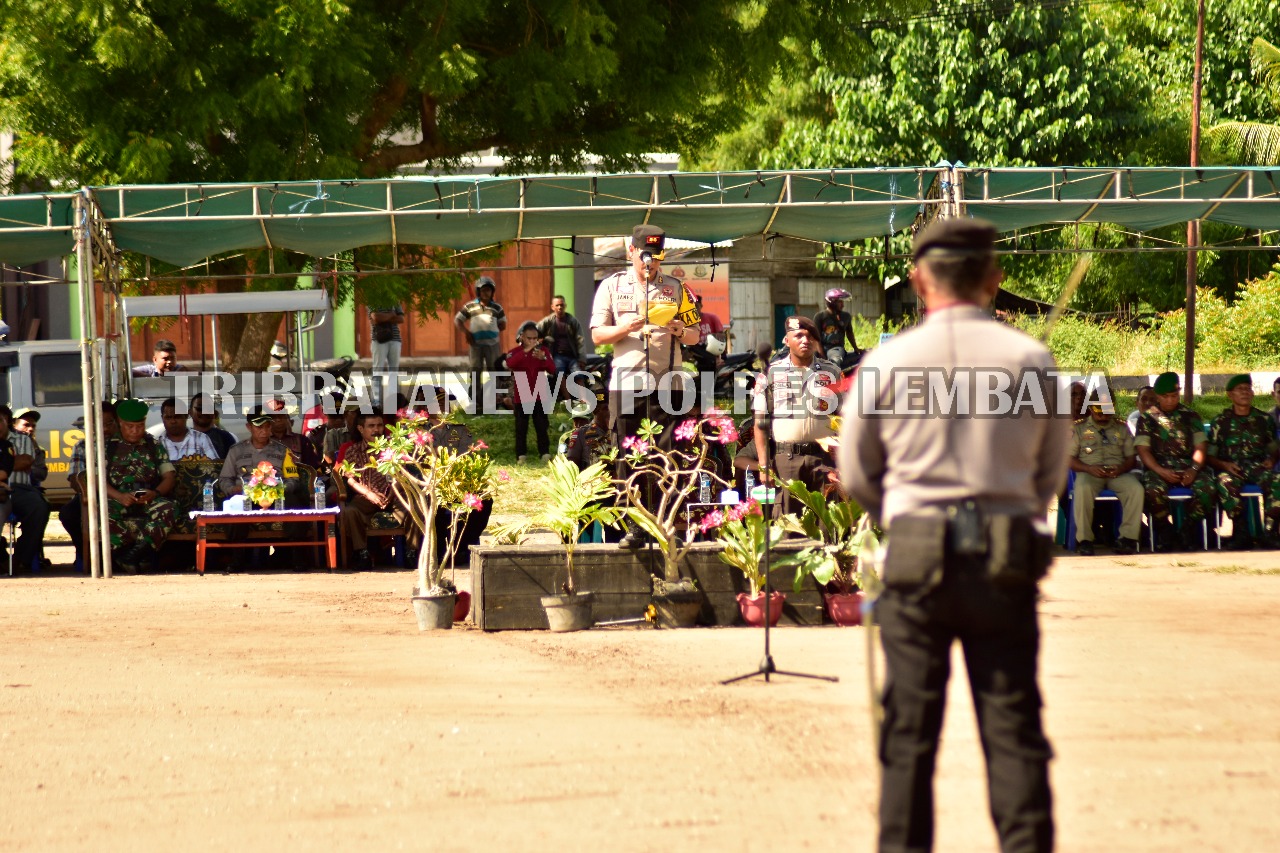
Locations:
257 416
1238 379
649 238
1166 383
955 237
164 345
795 323
131 411
27 413
485 281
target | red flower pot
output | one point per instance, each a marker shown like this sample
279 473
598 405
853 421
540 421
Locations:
461 606
753 608
844 608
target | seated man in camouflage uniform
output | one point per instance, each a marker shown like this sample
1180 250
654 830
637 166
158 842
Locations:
139 479
1171 444
1244 452
1102 454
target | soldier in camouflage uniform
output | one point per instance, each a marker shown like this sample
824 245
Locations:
591 440
1244 451
139 478
1171 444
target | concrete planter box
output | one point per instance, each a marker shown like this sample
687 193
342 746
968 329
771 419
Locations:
508 582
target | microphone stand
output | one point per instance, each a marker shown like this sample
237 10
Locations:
768 471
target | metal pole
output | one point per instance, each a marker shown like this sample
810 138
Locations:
1193 227
88 375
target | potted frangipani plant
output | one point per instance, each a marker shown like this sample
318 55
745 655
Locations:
573 500
844 532
658 484
473 481
425 478
748 537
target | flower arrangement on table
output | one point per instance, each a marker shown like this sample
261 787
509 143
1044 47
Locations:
265 486
673 477
425 478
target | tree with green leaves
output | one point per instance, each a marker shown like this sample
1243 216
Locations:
1255 143
104 92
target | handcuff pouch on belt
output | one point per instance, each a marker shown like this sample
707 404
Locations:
1016 554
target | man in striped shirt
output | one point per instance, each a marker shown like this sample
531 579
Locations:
180 440
25 501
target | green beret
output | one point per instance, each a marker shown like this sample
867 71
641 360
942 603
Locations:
1166 383
1239 379
131 411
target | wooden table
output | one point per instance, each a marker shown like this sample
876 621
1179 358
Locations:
327 517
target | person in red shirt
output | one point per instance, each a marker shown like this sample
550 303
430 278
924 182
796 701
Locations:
709 324
531 367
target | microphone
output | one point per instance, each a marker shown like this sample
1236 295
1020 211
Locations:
646 258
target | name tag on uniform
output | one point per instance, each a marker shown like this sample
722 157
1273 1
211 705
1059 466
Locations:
625 287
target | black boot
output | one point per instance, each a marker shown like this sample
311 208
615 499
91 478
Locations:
1192 536
634 537
1240 538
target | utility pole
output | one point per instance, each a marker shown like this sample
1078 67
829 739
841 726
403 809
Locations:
1193 227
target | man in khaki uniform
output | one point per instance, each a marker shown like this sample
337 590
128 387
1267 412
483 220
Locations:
626 312
1102 454
794 398
962 484
618 317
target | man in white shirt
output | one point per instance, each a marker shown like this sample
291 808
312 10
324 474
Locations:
181 441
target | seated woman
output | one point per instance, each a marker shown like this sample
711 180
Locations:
139 479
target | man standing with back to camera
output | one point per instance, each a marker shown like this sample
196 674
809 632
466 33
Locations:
963 499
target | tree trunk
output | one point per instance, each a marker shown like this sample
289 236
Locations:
252 350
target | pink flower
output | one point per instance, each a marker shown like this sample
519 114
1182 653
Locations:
713 519
473 501
686 430
421 437
736 512
479 445
636 443
386 455
753 508
503 476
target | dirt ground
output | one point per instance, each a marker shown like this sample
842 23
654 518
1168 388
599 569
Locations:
305 711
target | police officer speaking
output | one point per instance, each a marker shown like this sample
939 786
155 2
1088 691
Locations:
963 499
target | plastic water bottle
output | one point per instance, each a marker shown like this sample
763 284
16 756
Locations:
318 498
704 489
751 482
207 496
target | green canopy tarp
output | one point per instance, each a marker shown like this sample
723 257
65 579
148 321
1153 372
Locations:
184 224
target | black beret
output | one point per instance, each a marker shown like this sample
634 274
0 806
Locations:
795 321
651 238
960 236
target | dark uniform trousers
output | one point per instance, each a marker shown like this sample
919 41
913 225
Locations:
805 461
999 634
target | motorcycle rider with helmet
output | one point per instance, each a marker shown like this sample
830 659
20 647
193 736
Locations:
835 325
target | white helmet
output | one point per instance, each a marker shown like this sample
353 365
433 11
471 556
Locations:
715 346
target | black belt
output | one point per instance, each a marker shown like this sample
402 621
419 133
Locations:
800 447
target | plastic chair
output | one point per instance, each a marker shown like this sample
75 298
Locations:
1069 538
1178 495
1257 523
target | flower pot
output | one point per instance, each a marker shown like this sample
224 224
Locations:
266 503
568 612
678 609
844 608
434 612
462 606
753 608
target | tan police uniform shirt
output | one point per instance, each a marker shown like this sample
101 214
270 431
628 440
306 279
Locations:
894 464
800 399
1108 446
618 299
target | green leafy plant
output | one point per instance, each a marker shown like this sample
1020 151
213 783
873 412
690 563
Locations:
747 538
573 501
844 531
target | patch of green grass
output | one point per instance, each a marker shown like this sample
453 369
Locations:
1125 562
1239 570
1184 564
